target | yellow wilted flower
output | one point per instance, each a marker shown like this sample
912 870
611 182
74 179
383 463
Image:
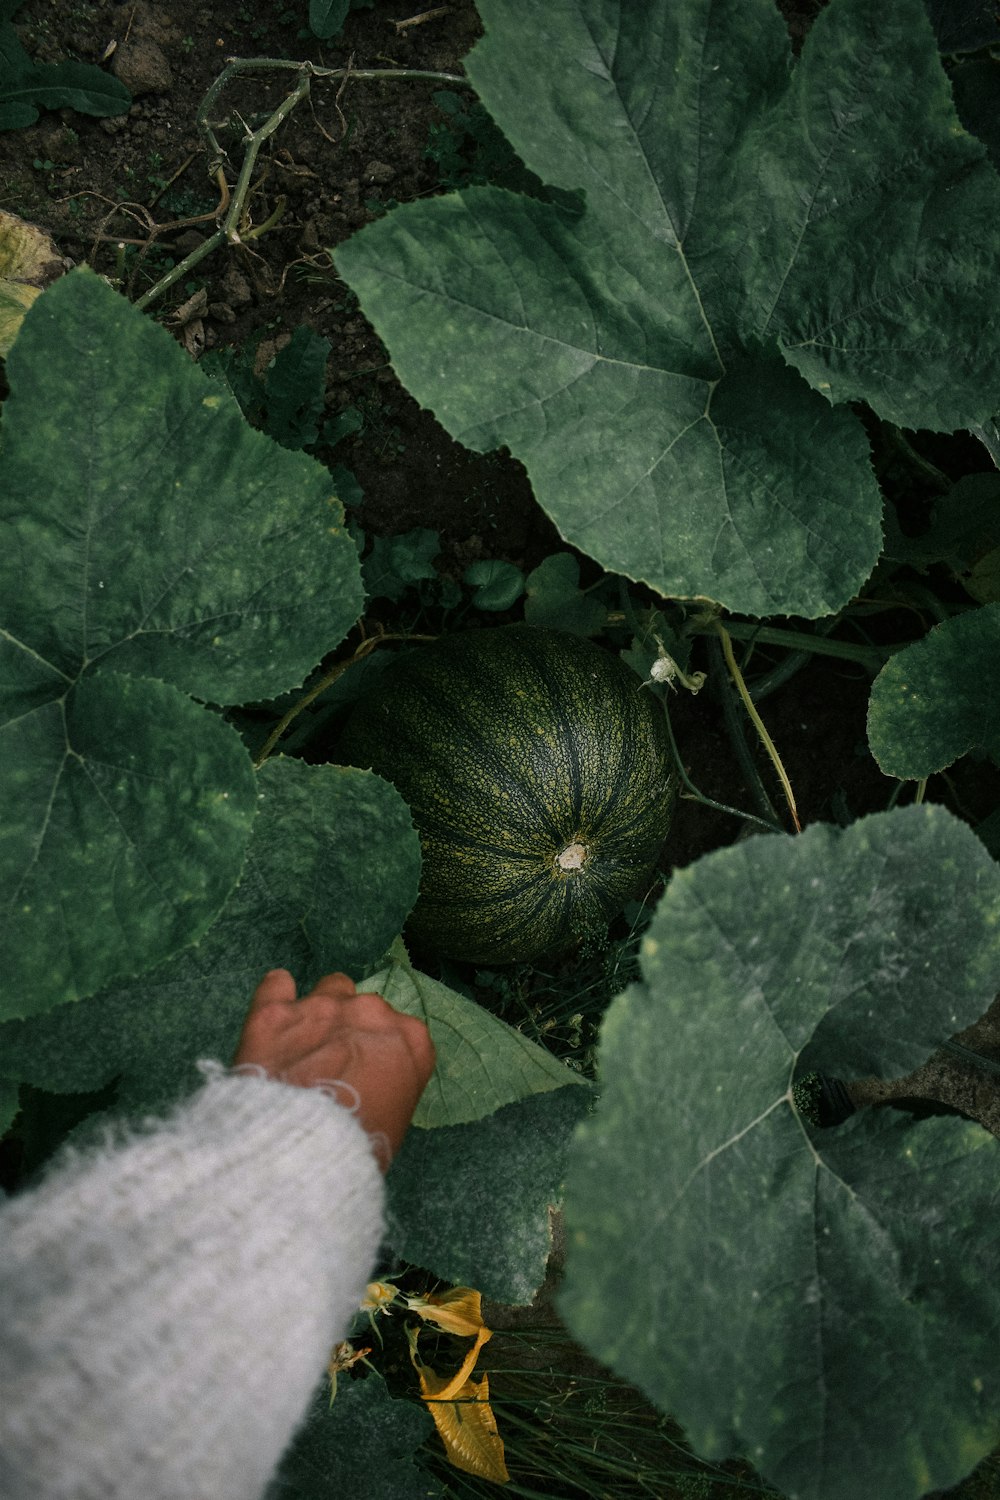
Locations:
459 1310
378 1297
462 1413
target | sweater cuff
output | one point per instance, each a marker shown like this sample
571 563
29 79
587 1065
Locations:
171 1299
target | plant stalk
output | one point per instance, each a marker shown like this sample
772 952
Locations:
701 797
871 657
232 230
766 740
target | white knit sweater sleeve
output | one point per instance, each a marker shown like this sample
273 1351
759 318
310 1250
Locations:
167 1304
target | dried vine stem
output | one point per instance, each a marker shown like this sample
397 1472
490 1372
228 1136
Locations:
231 227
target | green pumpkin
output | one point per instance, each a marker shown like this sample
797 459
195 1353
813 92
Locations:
538 773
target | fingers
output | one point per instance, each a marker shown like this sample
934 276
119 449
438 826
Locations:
278 988
275 988
334 1031
339 986
373 1013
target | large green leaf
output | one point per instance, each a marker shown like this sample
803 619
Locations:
331 875
937 699
127 809
148 528
147 533
482 1063
363 1445
741 217
822 1301
472 1202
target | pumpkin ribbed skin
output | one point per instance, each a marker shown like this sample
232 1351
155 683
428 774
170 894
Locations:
538 775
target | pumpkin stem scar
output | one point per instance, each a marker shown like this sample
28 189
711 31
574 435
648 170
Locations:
572 857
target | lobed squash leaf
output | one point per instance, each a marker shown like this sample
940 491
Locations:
252 572
472 1203
758 244
331 873
936 699
820 1300
482 1063
127 809
148 534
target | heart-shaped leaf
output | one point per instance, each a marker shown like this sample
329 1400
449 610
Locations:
332 872
820 1300
148 534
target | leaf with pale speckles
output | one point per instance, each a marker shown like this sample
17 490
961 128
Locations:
331 873
825 1301
937 699
154 547
754 244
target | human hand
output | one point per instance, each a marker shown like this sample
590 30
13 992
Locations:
335 1034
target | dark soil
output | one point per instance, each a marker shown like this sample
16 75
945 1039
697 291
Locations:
142 181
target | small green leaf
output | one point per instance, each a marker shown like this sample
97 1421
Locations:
326 17
482 1063
472 1202
295 386
819 1300
498 585
936 700
964 527
127 812
331 874
396 562
555 599
362 1445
